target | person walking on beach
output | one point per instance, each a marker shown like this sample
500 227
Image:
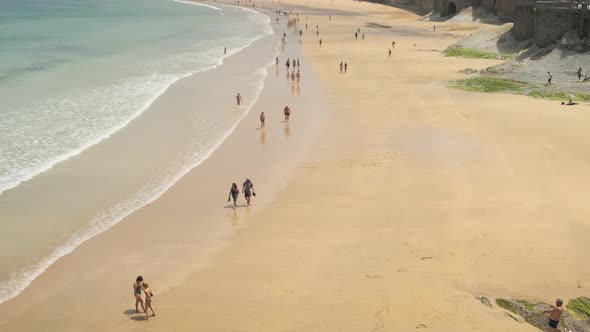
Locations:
345 67
298 76
234 192
389 53
225 50
554 314
262 124
549 78
579 72
248 189
341 67
393 44
239 99
356 35
287 113
148 300
137 288
277 61
288 64
434 28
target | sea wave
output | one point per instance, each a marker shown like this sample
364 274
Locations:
104 220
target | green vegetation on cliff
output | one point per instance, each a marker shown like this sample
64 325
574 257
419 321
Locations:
473 53
579 307
498 85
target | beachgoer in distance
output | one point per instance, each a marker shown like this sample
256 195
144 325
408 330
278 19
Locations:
341 66
579 72
137 288
248 189
392 44
262 120
148 300
346 67
298 76
434 28
288 64
277 61
234 192
389 53
363 36
554 314
549 78
356 35
305 26
359 30
300 33
317 33
287 113
239 99
320 43
225 50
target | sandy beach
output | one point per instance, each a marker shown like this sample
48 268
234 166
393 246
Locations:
387 203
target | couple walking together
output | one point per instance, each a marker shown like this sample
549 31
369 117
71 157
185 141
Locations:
247 188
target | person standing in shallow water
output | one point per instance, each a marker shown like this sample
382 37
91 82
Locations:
137 288
346 67
239 99
248 189
341 67
262 120
234 192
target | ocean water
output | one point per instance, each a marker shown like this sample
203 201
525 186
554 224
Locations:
74 73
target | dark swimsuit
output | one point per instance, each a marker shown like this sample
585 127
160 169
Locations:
553 323
138 290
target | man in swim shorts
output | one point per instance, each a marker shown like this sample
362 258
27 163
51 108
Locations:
554 315
248 190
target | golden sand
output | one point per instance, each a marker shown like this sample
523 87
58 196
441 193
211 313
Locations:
414 199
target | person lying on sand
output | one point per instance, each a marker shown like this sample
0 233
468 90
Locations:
554 315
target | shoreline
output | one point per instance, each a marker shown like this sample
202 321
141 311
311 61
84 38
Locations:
103 218
392 212
213 235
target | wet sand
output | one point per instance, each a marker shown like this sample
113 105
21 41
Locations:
413 199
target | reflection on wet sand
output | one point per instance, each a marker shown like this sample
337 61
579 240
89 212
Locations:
262 136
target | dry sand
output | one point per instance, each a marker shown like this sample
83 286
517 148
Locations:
414 199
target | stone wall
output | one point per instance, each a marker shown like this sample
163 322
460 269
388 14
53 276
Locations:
524 23
504 9
552 24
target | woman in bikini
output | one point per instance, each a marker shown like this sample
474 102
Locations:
234 192
137 287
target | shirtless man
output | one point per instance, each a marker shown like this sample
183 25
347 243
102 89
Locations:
554 315
239 99
287 112
262 119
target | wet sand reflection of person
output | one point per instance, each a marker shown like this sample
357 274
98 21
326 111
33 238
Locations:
262 136
287 129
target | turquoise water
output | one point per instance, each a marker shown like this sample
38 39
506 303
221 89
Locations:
74 72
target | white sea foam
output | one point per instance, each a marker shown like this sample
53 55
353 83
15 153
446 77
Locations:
102 221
